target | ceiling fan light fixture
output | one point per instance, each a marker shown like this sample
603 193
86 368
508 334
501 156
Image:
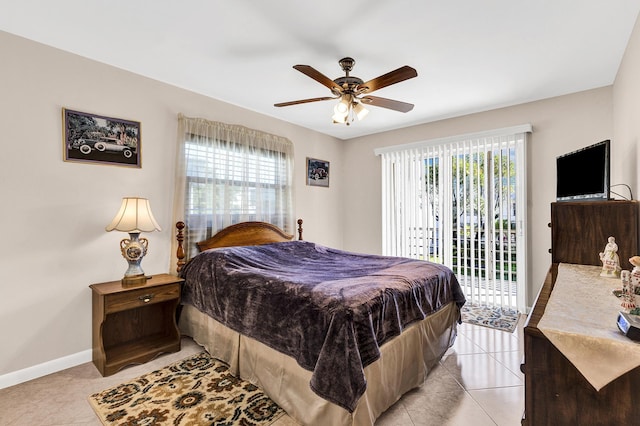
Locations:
339 118
361 112
341 110
346 111
342 107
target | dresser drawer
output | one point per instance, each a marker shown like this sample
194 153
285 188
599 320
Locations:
140 297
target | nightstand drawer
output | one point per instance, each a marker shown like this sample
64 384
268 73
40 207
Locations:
140 297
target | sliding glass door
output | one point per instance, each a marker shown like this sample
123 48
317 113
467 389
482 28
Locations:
461 203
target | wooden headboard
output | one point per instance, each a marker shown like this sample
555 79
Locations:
240 234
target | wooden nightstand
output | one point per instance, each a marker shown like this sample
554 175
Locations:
132 325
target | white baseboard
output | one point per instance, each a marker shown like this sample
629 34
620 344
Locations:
53 366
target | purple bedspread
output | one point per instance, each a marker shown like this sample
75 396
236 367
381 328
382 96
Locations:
330 310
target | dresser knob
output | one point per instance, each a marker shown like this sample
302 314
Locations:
146 298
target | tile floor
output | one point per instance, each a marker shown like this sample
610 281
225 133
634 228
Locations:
477 382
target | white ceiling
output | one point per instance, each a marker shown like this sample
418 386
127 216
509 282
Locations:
470 55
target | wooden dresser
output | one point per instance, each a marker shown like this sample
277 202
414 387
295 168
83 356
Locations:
556 393
579 230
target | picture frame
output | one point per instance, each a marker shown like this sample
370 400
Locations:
91 138
317 172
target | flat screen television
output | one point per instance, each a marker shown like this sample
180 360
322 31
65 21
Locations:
583 175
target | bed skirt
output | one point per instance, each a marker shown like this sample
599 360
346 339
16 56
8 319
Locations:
404 364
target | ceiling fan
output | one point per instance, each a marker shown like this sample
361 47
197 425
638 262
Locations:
353 92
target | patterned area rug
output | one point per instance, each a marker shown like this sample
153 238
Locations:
490 316
198 390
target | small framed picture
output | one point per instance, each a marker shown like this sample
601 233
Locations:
317 172
91 138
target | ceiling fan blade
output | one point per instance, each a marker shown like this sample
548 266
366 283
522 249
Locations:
319 77
304 101
387 103
392 77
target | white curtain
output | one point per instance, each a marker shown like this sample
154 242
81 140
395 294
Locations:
460 201
227 174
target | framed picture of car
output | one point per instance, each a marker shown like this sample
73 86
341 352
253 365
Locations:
317 172
98 139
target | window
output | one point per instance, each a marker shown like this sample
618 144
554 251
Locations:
228 174
223 181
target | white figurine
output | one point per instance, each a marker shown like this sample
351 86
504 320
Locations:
610 260
634 280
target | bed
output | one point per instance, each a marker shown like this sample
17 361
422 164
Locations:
332 337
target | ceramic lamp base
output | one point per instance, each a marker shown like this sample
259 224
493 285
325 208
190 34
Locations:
134 249
134 280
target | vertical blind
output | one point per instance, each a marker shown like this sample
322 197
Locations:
460 201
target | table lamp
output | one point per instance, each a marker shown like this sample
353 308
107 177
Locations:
134 217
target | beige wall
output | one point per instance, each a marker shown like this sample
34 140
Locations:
54 212
626 111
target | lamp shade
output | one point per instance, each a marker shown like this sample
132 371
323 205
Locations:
134 216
